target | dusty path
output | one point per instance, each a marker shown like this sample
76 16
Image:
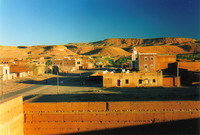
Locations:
70 88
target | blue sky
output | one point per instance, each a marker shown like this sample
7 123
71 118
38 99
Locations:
50 22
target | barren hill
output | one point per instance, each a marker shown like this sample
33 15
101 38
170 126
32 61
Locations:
109 51
135 42
157 45
57 50
13 52
111 47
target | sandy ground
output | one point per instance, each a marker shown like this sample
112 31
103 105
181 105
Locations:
14 85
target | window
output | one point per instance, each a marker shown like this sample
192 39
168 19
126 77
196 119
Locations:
154 80
78 62
127 81
151 58
140 81
6 71
145 67
145 58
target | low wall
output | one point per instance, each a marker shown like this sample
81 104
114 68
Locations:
11 117
171 81
73 117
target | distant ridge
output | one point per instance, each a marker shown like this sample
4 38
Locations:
108 47
135 41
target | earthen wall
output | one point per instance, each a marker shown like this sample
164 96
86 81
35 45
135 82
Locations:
11 117
73 117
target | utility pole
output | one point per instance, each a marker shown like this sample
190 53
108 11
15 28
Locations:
177 70
81 79
177 77
57 83
2 88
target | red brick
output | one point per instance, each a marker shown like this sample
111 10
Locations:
64 107
97 106
79 106
72 117
168 116
148 116
46 107
47 117
118 106
195 114
114 124
90 117
159 117
181 115
126 116
28 117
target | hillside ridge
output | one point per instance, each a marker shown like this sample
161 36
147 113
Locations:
111 47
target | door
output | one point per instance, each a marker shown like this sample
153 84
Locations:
118 82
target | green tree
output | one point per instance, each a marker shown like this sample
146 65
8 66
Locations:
49 62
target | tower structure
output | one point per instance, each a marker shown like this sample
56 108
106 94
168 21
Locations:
134 58
134 54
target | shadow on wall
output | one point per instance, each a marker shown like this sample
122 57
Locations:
180 127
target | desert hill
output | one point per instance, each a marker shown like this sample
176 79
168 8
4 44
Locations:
108 51
111 47
57 50
135 42
157 45
12 52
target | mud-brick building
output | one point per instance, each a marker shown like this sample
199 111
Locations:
151 61
87 65
4 71
134 79
68 64
147 61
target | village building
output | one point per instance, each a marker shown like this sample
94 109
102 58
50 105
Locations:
87 65
134 79
147 71
68 64
189 72
20 71
4 71
39 60
151 61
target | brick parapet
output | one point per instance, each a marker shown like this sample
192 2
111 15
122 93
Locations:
89 116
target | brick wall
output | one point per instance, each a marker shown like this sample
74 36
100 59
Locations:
147 62
171 81
72 117
11 117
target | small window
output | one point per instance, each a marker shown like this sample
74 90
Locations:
145 58
127 81
145 67
154 80
140 81
78 62
151 58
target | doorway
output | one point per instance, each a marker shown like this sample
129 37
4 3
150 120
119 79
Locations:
118 82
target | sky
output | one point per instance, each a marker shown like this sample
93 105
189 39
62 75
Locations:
56 22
